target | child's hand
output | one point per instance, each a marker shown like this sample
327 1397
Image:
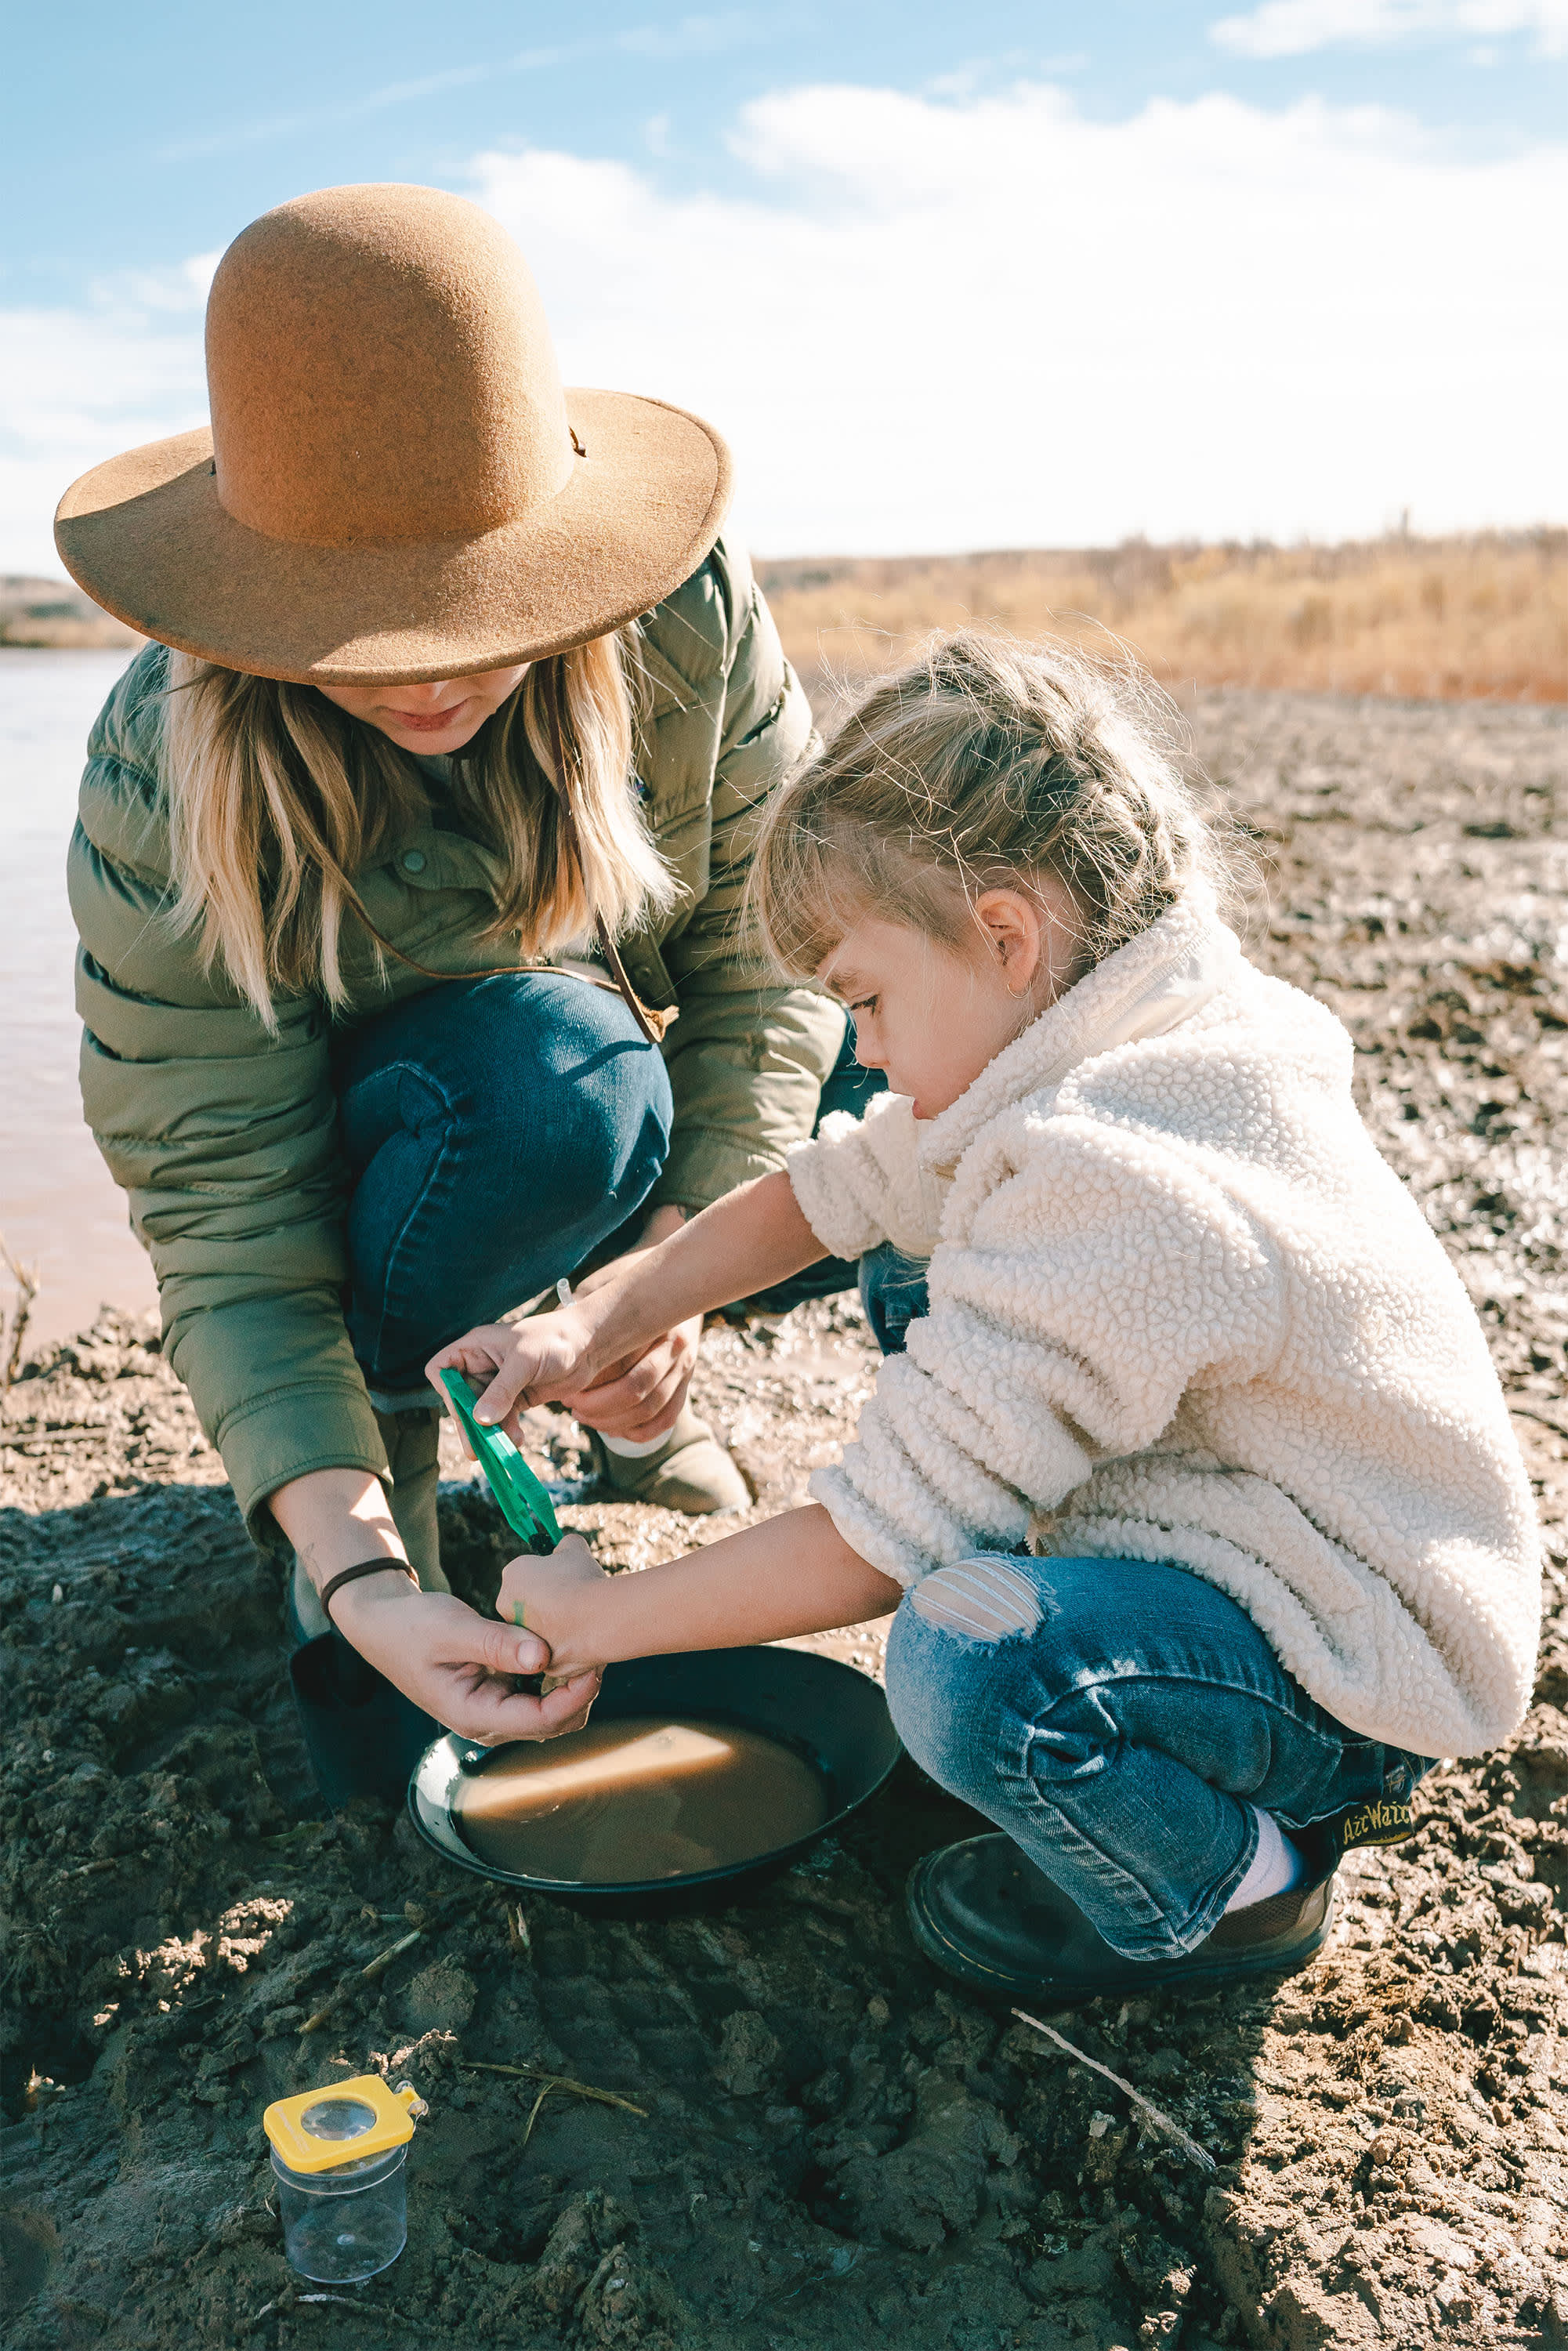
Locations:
536 1361
457 1666
561 1600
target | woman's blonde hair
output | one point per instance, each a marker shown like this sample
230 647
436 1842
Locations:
983 762
277 797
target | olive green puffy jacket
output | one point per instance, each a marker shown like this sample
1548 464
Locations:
226 1136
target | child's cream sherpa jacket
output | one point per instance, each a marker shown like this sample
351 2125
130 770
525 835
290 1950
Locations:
1181 1310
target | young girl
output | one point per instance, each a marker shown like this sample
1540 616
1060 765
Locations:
1187 1472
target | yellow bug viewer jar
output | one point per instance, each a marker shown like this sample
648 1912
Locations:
338 2154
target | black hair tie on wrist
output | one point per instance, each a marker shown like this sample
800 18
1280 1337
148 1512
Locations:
352 1575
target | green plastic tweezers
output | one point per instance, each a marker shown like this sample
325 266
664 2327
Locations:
524 1505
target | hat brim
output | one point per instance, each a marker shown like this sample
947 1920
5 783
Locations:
147 537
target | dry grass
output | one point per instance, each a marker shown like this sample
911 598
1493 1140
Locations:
1483 618
1444 619
54 614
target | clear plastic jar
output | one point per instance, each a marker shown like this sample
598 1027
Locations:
345 2224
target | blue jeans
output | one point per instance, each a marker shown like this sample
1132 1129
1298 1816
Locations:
1122 1731
893 1291
1120 1738
496 1131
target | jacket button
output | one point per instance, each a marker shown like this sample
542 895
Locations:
413 861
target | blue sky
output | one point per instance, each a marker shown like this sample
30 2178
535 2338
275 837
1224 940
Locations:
998 275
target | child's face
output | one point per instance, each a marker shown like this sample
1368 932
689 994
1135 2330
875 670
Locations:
933 1016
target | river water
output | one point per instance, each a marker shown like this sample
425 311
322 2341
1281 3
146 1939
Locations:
57 1207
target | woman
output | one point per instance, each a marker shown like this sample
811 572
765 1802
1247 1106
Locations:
452 683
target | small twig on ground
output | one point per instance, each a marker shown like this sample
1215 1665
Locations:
1189 2146
796 1890
1533 1412
46 1442
26 1278
383 1959
554 2082
534 2112
290 2301
518 1934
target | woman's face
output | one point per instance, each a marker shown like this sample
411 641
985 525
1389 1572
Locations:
440 716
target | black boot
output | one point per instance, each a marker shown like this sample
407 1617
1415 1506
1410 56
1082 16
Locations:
984 1914
362 1736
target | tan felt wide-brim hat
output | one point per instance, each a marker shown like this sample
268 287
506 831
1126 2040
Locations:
395 486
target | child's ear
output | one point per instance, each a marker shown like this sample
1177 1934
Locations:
1013 926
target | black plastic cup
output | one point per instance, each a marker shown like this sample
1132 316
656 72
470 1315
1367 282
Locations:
362 1736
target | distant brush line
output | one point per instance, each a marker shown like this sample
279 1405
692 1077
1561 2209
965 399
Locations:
1479 617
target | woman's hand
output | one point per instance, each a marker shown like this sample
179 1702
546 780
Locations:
548 1359
457 1666
556 1358
640 1398
560 1600
540 1360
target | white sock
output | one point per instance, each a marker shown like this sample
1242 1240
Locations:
1277 1864
633 1449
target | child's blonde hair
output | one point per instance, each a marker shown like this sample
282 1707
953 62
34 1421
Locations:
982 763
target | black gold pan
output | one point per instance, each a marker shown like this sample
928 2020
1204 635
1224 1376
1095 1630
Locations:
829 1714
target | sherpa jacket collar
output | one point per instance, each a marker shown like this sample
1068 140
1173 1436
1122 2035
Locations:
1153 984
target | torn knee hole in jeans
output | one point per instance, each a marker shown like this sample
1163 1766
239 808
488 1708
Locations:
983 1599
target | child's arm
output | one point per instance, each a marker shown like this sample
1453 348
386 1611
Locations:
792 1574
756 1235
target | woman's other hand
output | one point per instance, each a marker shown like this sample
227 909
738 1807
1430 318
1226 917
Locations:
560 1358
560 1600
639 1397
460 1667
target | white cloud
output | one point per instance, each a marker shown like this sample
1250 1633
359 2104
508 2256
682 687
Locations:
1293 29
76 385
999 324
995 323
183 286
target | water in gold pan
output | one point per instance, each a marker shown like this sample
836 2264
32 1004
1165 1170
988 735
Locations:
625 1803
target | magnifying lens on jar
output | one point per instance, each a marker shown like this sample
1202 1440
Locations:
338 2155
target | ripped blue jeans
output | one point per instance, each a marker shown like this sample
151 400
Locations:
1117 1718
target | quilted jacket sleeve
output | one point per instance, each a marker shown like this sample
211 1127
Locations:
223 1135
224 1132
1098 1280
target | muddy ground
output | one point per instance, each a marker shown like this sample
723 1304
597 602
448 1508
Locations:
833 2144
